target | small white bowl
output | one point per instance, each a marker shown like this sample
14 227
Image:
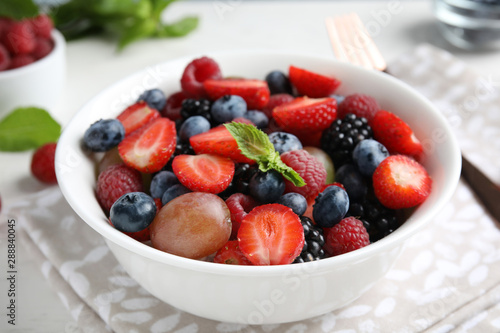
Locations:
261 294
38 84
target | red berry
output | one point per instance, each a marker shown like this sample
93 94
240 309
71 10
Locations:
196 72
42 48
218 141
348 235
150 147
204 173
401 182
255 92
271 235
42 163
312 84
4 58
309 168
306 114
276 100
172 108
231 254
19 38
395 135
21 60
116 181
4 24
136 116
42 26
239 205
360 105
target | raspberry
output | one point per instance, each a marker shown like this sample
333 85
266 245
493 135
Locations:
309 168
42 26
116 181
42 163
276 100
195 73
21 60
4 58
42 48
239 205
358 104
19 38
346 236
172 109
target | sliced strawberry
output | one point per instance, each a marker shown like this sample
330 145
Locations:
395 135
218 141
149 148
204 173
312 84
136 116
271 235
401 182
306 114
231 254
255 92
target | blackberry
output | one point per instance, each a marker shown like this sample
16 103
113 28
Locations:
340 139
313 244
196 107
181 148
241 179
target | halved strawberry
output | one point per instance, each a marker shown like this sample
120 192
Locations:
306 114
395 135
204 173
271 235
218 141
255 92
136 116
231 254
149 148
312 84
401 182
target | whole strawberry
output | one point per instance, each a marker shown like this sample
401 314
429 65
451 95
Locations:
42 163
346 236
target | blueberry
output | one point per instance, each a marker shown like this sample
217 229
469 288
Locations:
284 142
133 212
330 206
173 192
161 182
227 108
267 187
354 183
259 118
103 135
367 155
155 98
297 202
339 98
192 126
278 83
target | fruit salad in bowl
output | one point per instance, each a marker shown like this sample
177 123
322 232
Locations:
258 187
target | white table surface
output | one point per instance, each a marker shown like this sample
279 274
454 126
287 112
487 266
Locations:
93 64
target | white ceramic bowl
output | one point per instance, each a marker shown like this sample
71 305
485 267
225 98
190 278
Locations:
38 84
261 294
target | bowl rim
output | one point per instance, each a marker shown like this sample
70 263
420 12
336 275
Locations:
393 240
59 45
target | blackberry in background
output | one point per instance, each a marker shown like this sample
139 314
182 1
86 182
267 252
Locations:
340 139
313 242
243 172
196 107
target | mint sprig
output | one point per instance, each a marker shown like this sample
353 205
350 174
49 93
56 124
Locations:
18 9
255 145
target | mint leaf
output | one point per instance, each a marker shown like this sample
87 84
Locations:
255 144
179 28
27 128
139 30
18 9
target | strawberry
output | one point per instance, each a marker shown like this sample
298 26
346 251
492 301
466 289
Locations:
271 234
42 163
255 92
136 116
231 254
149 148
306 114
401 182
348 235
312 84
204 173
218 141
395 135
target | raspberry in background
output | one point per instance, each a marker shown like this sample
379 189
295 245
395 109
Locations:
196 72
19 38
276 100
42 48
21 60
4 58
41 26
358 104
172 109
346 236
42 163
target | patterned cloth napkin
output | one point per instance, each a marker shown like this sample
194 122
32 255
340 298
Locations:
447 278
